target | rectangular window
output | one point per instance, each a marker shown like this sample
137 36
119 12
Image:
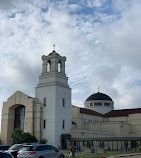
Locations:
91 104
83 143
63 102
106 104
63 124
97 104
44 123
45 101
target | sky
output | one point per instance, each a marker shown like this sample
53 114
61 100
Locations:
101 40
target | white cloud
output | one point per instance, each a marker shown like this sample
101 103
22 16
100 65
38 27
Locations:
95 3
6 4
102 48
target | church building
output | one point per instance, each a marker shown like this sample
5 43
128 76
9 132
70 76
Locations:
51 116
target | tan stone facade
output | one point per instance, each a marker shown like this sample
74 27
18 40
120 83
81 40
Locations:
85 125
92 125
32 116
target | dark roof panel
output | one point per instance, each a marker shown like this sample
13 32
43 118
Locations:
122 112
99 96
90 112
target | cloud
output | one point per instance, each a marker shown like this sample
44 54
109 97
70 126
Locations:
6 4
101 41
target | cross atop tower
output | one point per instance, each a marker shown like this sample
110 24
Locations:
98 89
54 47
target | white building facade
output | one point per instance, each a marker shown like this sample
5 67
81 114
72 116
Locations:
54 93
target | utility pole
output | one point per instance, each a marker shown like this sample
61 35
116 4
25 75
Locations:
67 148
95 149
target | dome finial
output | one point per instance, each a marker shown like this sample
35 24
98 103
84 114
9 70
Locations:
54 48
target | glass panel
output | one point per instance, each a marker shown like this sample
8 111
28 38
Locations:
44 123
27 148
63 102
19 117
53 148
44 101
97 104
15 147
63 125
40 148
106 104
5 155
47 147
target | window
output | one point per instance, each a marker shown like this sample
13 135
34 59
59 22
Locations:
97 104
106 104
83 143
19 117
45 101
91 104
44 123
63 102
40 148
16 147
27 148
5 155
48 66
63 124
59 66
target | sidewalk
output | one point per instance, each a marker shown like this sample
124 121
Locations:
82 153
116 156
127 155
119 156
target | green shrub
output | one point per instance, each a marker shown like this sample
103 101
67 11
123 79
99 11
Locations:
43 141
18 136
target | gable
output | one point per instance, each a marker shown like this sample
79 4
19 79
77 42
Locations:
17 95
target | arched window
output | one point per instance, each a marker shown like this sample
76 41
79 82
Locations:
59 66
19 117
48 66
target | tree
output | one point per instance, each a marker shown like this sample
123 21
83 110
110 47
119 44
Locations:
18 136
102 144
43 141
28 138
126 145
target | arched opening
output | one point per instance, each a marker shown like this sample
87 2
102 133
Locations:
48 66
19 117
59 66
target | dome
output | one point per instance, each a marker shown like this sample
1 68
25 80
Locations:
99 96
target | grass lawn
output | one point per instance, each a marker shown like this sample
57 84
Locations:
102 154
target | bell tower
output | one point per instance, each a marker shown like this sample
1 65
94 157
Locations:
54 93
